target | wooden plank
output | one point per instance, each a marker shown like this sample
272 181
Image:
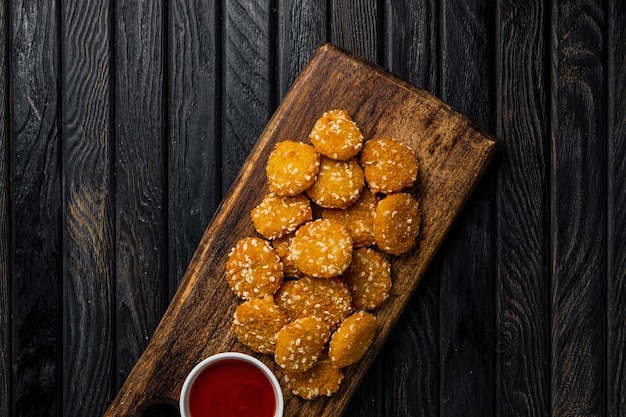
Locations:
354 25
302 28
248 67
88 226
35 281
5 234
616 251
578 212
522 285
140 188
467 280
453 153
194 175
409 361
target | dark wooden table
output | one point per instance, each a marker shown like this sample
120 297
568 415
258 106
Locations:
123 123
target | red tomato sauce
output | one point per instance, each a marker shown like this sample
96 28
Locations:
232 388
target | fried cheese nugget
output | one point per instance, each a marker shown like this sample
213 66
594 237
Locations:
369 279
389 165
300 343
397 223
256 323
321 248
253 268
336 135
326 298
292 167
358 218
339 183
281 245
278 215
352 339
322 379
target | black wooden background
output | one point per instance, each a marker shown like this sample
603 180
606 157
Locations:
123 122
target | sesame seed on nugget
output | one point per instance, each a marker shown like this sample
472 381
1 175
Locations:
326 298
322 379
321 248
253 268
336 135
397 223
352 339
339 183
292 167
278 215
389 165
358 218
256 323
300 343
369 279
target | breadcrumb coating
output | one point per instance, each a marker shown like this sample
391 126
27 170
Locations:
397 223
292 167
352 339
326 298
369 279
321 379
278 215
336 135
339 183
357 218
300 343
389 165
321 248
281 245
253 269
256 322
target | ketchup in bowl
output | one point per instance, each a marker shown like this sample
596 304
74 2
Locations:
231 385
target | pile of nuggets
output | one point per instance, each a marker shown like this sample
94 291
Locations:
310 284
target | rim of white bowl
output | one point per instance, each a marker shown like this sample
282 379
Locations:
184 393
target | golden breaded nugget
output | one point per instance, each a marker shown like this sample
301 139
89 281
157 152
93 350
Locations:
326 298
321 248
278 215
253 269
389 165
292 167
256 323
339 183
281 245
358 218
369 279
352 339
321 379
336 135
397 223
300 343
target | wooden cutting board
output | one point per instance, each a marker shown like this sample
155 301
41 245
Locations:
452 153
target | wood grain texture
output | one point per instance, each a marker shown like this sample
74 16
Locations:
522 256
302 26
248 99
616 250
35 293
453 154
5 234
88 275
409 360
467 274
140 172
194 164
355 26
578 213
